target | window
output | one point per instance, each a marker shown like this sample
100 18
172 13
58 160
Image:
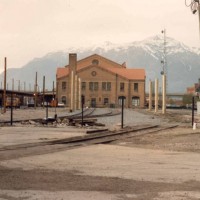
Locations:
95 62
121 87
83 86
135 101
64 99
94 73
106 86
105 101
135 87
120 101
93 86
93 102
64 85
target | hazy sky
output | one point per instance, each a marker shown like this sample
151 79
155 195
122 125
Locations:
32 28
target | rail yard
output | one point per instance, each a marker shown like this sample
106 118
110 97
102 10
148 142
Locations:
154 156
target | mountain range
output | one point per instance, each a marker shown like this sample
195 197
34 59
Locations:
182 65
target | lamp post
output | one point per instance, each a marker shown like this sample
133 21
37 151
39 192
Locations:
122 115
195 7
82 104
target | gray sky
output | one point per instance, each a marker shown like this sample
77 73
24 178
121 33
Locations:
32 28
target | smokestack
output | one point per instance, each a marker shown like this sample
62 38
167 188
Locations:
73 62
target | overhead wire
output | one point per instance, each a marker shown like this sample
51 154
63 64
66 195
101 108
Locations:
193 5
188 5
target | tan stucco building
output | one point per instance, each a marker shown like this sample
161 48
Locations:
101 82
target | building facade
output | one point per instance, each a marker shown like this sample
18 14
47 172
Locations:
101 83
194 89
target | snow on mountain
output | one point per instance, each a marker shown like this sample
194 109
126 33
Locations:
155 45
182 61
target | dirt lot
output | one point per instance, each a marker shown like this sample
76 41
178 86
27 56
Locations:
158 166
176 139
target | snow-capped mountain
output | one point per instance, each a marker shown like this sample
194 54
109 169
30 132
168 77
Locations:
182 62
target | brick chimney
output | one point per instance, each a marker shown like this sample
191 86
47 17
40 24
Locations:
73 62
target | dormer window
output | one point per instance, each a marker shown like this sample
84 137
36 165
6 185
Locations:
95 62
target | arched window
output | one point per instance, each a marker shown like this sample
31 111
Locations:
95 62
135 101
120 101
64 99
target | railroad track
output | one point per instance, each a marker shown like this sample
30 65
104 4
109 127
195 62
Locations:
87 113
90 114
23 150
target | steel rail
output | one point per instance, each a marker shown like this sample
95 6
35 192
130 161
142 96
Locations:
39 148
88 113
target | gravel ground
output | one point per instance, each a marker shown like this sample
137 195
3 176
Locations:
131 117
31 113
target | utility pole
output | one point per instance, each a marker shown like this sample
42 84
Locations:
24 86
150 95
13 87
53 91
29 87
156 95
164 59
35 103
19 85
56 92
197 1
54 101
164 73
4 96
43 90
164 94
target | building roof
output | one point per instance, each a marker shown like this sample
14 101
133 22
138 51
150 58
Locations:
87 61
62 72
136 74
130 74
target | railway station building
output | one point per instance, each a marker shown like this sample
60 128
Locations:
100 82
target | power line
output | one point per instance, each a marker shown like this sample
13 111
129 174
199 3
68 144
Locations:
195 8
164 57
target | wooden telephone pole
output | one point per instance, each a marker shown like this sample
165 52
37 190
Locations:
4 94
35 103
